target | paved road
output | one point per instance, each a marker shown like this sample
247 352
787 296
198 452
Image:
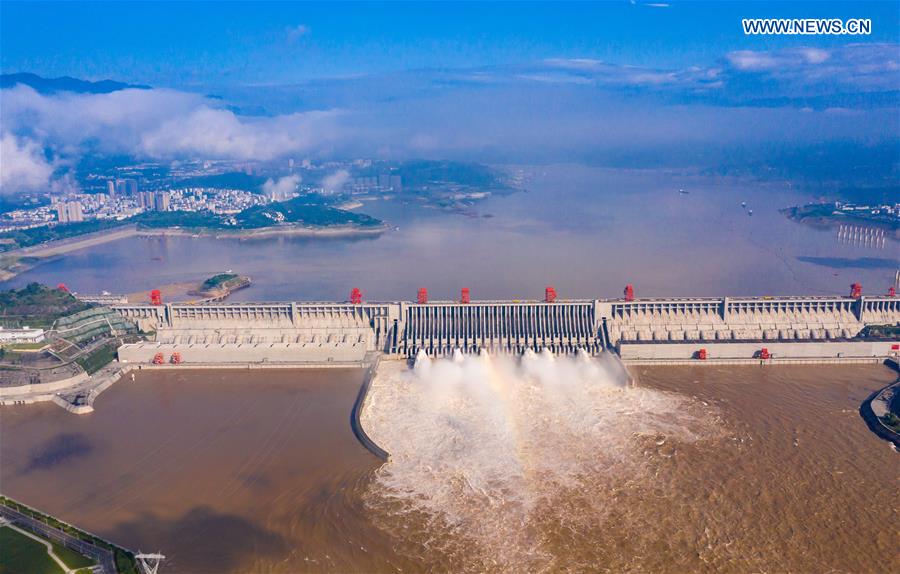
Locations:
104 558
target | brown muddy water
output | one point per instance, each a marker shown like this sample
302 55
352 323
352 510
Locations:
545 468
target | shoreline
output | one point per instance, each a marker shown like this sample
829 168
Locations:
77 394
357 412
892 231
877 404
61 247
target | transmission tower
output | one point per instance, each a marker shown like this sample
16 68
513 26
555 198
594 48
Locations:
149 563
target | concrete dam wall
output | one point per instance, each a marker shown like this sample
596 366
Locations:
285 332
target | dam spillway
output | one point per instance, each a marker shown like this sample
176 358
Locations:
650 328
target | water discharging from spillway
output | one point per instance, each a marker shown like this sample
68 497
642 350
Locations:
500 463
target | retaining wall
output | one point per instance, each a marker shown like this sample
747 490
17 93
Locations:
795 350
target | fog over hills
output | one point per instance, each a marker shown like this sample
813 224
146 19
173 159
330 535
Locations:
64 84
823 114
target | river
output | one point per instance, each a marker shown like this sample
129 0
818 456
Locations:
706 469
586 231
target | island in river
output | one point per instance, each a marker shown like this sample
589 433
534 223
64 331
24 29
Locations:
886 217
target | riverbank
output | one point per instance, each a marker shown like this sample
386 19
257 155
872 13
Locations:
825 216
220 470
112 558
878 406
78 393
18 261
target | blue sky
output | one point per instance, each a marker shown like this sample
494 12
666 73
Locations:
620 84
178 44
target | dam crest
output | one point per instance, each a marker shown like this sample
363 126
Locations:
648 329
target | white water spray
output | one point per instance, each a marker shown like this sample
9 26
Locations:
486 450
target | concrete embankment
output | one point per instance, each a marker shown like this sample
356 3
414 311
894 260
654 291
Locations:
878 404
26 394
63 246
360 405
743 353
77 394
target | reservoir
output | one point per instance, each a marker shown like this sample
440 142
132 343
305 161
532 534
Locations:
709 469
586 231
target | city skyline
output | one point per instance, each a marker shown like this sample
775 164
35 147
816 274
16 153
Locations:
615 84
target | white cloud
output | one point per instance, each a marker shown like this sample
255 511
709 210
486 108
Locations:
217 133
574 63
748 60
281 189
23 166
160 124
334 183
815 55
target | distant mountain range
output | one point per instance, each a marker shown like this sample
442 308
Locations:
65 84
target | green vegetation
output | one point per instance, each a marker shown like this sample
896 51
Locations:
827 213
301 210
217 280
306 210
36 305
36 235
892 421
98 358
72 559
419 173
25 346
231 180
22 554
124 560
189 219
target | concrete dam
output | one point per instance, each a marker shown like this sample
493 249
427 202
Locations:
670 329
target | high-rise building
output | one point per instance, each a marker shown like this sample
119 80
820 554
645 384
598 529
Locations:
126 187
162 201
111 188
76 214
62 215
384 180
145 199
69 212
396 184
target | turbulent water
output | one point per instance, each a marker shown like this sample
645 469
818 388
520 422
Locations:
509 463
496 466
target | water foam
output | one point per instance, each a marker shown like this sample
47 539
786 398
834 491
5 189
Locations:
486 450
